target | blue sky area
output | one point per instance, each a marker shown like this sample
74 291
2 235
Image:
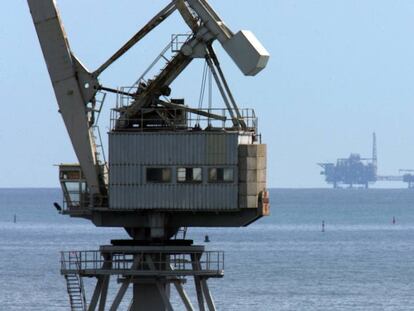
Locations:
340 69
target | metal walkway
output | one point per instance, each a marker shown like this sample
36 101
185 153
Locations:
157 266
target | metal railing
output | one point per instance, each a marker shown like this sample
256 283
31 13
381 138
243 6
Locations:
178 40
77 201
168 263
163 57
182 119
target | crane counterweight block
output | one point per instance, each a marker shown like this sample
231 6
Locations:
247 52
243 47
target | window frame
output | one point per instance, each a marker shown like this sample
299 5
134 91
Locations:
187 181
221 180
162 169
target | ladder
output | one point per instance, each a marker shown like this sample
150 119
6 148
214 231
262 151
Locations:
75 288
96 133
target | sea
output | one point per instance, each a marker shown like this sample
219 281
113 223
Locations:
364 259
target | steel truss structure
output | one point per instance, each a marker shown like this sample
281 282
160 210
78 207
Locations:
151 271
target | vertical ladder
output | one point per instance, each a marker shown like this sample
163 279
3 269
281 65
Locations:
99 102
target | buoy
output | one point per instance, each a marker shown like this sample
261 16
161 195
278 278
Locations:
207 239
323 225
57 206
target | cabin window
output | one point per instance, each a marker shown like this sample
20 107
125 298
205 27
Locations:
73 190
158 175
220 175
189 175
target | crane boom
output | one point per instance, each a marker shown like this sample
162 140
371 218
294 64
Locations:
72 85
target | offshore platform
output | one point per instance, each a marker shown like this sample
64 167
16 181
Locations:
171 166
356 171
352 171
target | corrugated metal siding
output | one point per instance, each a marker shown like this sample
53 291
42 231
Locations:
126 174
173 148
131 153
216 197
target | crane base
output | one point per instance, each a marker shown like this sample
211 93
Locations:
151 271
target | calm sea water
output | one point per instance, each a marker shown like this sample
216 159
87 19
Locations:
284 262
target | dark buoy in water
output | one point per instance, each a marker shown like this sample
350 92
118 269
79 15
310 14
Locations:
57 206
323 225
206 239
15 218
393 220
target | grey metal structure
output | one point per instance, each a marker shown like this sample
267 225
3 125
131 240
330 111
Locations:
150 270
352 171
407 177
356 171
170 165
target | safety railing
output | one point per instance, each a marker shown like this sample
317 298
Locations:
151 119
178 40
164 58
87 262
75 200
79 202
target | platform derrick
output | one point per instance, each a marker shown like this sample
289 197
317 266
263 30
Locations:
170 165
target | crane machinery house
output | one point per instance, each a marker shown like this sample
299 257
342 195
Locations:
213 169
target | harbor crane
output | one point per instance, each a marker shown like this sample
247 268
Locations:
170 166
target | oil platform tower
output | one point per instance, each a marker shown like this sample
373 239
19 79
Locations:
170 165
354 170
